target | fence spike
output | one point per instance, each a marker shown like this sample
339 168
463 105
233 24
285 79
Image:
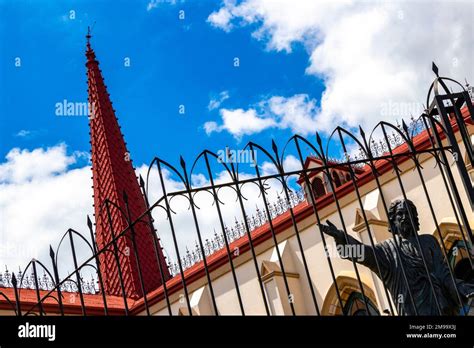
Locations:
435 69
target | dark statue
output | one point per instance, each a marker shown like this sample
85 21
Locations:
404 242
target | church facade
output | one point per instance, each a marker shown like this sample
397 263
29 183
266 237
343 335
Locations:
374 225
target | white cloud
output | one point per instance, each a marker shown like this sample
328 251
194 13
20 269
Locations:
290 163
214 103
369 54
240 122
186 232
40 198
297 113
211 127
23 133
24 165
155 3
38 204
221 19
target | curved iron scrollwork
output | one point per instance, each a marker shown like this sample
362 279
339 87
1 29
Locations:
236 230
45 282
436 122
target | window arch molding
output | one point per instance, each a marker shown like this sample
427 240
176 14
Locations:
346 285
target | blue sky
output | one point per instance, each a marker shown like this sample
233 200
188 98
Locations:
304 66
173 62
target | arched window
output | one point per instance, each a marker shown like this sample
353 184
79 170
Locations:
355 306
342 178
459 260
458 257
336 179
348 177
346 289
318 187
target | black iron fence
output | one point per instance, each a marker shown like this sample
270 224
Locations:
444 128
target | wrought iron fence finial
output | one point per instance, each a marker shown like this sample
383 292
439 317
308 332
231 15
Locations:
435 69
89 222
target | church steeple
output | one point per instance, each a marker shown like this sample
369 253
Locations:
113 175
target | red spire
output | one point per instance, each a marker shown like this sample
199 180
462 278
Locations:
113 174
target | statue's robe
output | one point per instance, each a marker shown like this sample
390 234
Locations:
424 294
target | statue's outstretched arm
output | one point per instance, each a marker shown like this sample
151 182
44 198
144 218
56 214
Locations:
359 252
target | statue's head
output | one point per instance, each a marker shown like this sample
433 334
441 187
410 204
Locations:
399 216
